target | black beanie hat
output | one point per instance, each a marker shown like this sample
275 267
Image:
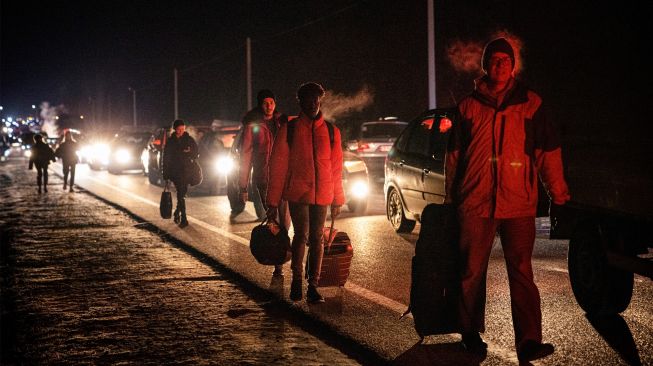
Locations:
262 94
177 123
497 45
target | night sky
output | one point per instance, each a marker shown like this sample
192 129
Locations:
85 57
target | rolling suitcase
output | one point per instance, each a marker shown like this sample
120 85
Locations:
336 261
435 279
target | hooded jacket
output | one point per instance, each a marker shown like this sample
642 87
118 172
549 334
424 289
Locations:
256 148
67 151
309 171
496 152
178 154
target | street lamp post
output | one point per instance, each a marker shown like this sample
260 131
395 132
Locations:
134 103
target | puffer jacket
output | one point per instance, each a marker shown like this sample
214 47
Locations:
42 155
496 153
256 147
178 154
67 152
309 171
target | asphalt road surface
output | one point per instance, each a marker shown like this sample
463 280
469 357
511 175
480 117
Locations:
367 310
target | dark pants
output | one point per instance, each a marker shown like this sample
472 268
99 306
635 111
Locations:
69 168
41 175
182 188
517 239
308 221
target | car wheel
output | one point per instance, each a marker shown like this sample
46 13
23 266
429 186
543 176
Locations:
599 289
113 171
358 207
395 212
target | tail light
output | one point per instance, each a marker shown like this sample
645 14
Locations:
363 147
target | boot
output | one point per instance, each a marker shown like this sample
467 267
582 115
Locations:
177 216
39 189
184 222
296 290
71 189
312 296
65 186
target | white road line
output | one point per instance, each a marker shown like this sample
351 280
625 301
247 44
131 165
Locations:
372 296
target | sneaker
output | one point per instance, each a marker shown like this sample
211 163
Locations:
312 296
473 342
296 290
532 351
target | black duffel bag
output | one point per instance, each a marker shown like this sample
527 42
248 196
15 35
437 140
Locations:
270 244
165 205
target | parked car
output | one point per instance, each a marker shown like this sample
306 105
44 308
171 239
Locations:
414 168
374 140
126 150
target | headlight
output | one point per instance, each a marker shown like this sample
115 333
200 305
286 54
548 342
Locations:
224 165
123 156
28 153
360 189
353 166
99 152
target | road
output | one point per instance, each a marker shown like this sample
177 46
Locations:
367 310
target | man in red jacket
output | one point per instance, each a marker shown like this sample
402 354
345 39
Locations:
499 146
306 171
261 126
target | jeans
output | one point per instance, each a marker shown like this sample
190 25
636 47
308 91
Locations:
308 221
66 169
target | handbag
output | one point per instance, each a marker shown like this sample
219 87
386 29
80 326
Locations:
165 205
194 173
270 243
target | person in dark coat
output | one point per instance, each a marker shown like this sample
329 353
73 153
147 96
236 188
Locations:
67 152
41 157
178 154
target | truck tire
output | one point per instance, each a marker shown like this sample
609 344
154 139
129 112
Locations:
599 289
395 212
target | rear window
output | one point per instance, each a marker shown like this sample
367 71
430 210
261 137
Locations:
381 130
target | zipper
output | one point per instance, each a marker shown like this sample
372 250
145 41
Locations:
493 205
314 162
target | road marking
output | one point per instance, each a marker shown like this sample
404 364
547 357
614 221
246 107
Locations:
556 269
396 306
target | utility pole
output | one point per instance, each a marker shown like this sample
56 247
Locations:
248 47
176 95
134 103
431 53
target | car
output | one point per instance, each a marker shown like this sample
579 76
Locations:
414 168
126 151
374 140
354 179
96 150
213 143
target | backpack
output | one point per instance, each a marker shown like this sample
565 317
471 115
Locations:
290 133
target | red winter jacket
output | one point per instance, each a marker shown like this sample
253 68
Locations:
497 152
258 137
309 171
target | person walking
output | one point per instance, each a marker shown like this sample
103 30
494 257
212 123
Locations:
261 125
178 154
41 157
499 146
67 152
305 169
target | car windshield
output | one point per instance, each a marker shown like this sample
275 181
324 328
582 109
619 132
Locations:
133 138
375 130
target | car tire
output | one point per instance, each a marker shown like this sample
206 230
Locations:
599 288
113 171
358 207
153 177
395 213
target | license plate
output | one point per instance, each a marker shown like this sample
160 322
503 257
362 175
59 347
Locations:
385 148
